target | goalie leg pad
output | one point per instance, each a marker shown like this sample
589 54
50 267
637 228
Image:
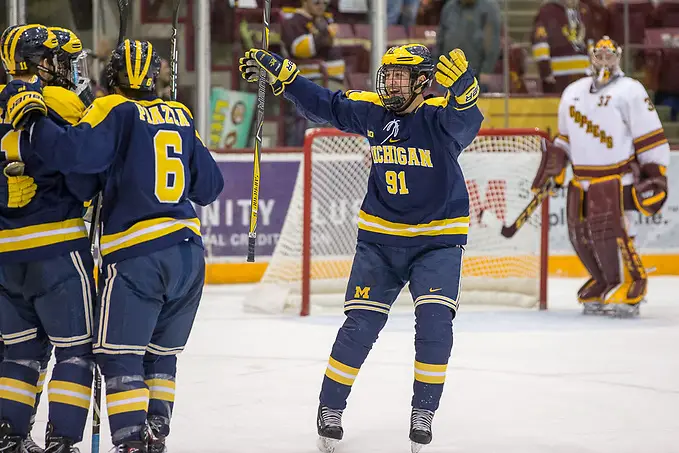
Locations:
620 264
578 232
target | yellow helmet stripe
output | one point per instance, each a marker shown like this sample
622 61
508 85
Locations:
137 74
51 41
6 57
12 44
147 63
128 60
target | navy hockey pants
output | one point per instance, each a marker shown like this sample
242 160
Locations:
43 302
378 274
144 318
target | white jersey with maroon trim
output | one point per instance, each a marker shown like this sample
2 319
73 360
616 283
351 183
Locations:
604 131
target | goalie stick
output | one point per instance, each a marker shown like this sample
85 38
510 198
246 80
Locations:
533 205
123 6
261 94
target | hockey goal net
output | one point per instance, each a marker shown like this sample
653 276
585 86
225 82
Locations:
312 260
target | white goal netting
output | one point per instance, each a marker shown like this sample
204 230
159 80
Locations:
499 167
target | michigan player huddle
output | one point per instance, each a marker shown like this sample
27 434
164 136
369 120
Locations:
146 161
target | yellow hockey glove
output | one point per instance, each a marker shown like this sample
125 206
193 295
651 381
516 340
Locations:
22 102
453 73
279 72
16 190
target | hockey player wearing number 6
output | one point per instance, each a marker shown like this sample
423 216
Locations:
414 219
610 132
152 164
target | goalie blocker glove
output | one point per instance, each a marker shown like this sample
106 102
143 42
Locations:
552 166
649 192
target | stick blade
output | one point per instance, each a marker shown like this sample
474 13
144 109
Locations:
508 231
251 248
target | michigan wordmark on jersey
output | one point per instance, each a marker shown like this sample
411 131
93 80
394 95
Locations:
416 190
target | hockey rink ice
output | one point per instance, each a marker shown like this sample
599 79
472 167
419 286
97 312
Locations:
519 381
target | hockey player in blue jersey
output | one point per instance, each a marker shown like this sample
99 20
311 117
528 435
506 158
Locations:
153 164
413 221
46 285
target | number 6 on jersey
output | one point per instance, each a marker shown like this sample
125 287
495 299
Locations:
170 181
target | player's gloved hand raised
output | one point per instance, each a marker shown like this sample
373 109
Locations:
16 190
279 72
453 73
22 103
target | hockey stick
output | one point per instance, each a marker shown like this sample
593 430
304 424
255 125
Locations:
261 93
123 7
538 198
174 61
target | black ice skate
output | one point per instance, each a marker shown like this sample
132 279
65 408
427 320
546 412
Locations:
8 443
60 445
420 428
29 446
157 428
131 447
330 432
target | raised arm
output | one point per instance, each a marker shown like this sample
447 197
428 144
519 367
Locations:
457 117
348 112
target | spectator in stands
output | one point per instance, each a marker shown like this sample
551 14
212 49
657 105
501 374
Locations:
474 27
560 43
429 12
308 38
403 12
597 20
517 69
163 89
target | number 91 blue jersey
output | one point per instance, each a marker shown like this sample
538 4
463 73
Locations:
416 192
151 163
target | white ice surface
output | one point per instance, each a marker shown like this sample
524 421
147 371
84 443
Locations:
519 381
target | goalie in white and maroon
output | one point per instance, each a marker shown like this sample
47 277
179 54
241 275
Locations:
612 136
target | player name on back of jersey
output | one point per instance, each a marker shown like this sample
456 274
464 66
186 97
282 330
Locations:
388 154
163 114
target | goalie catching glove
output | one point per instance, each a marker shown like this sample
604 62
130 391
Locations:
279 72
452 72
22 103
16 190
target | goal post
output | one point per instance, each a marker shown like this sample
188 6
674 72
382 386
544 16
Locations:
312 260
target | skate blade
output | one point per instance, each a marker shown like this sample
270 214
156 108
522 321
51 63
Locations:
623 312
593 309
326 444
415 447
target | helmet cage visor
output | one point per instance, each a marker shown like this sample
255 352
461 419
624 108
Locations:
605 58
398 86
